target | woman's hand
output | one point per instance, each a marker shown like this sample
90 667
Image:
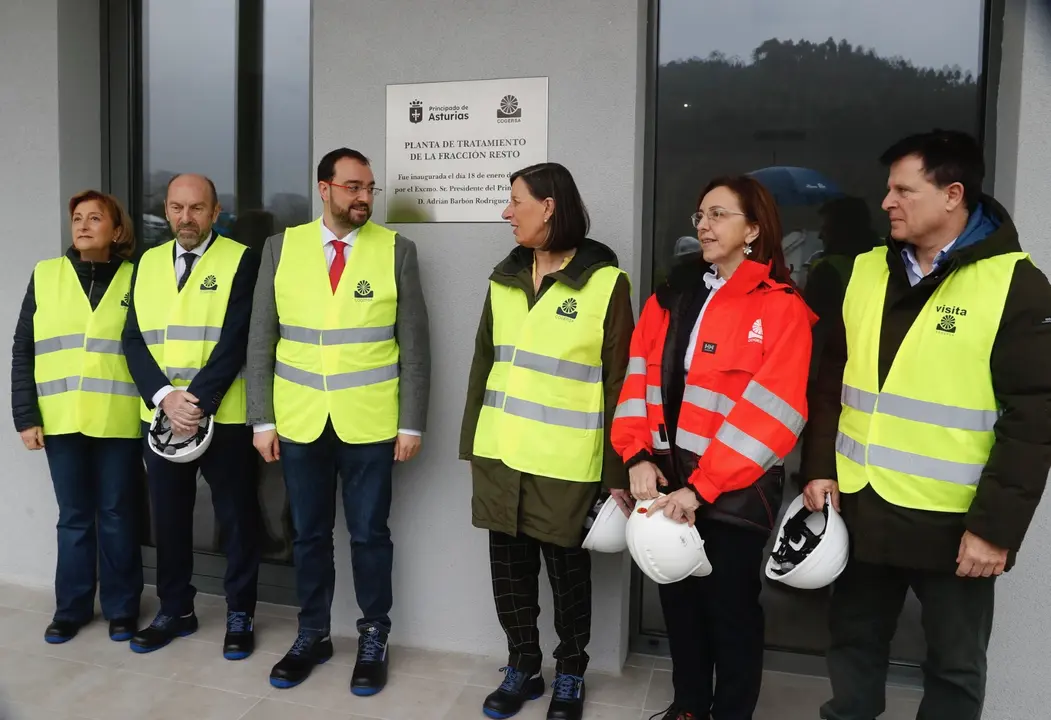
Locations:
33 438
644 477
680 506
624 501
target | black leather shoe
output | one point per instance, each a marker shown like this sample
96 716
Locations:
240 636
307 652
507 700
61 631
567 698
162 631
370 670
123 629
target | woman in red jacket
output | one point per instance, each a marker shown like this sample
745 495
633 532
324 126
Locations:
714 399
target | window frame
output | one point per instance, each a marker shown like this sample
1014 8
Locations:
123 163
641 640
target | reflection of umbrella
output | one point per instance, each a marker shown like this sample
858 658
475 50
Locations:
796 185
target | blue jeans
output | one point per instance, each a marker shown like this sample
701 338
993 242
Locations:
96 484
310 475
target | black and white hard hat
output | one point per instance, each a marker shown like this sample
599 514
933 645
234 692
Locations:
605 525
812 547
177 448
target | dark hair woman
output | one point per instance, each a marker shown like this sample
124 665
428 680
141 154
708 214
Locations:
715 398
549 362
73 397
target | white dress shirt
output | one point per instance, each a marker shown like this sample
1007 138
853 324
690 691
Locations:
714 282
327 238
180 268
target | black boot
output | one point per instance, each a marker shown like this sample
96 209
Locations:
307 652
508 699
123 629
677 713
370 670
61 631
567 700
162 631
240 636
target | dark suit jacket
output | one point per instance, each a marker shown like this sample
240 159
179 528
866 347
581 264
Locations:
227 358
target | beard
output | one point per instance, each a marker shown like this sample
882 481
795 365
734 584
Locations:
352 216
189 235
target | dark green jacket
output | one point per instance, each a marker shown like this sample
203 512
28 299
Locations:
1015 474
512 502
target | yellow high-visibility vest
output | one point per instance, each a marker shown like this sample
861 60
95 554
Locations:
922 440
336 357
82 379
544 406
182 328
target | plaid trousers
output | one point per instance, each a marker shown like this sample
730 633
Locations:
515 566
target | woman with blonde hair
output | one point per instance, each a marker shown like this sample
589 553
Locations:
73 397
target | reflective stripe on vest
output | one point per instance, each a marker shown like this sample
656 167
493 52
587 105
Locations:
636 408
82 380
737 439
337 356
922 440
182 328
544 405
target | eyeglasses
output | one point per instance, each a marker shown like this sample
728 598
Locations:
715 215
358 189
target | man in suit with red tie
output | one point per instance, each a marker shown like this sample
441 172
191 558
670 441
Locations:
338 379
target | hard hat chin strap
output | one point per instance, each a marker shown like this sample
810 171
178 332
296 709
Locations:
164 438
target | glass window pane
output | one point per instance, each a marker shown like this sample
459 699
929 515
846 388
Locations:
287 163
190 102
824 85
226 93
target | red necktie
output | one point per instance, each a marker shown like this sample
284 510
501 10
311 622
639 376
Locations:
338 263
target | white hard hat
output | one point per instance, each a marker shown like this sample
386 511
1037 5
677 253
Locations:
665 550
179 448
812 547
605 525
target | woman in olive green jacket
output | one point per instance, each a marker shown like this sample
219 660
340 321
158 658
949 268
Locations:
528 515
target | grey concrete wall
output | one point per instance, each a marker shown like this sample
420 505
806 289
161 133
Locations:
30 201
50 146
1019 657
589 49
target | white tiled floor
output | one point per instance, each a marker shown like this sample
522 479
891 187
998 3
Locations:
92 677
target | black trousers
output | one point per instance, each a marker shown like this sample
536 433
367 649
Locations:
715 625
230 467
957 616
515 566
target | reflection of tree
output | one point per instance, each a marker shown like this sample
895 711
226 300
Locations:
828 106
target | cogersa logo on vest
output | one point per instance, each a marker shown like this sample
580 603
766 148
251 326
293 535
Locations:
568 309
126 302
950 315
363 291
209 284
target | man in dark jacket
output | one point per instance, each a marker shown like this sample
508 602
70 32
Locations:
162 285
942 228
